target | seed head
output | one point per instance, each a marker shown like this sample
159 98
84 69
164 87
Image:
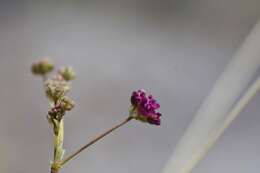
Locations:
67 103
56 88
67 73
42 67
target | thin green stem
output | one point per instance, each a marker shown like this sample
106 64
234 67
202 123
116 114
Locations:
58 127
95 140
44 78
53 170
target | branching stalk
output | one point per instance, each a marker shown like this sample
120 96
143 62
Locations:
95 140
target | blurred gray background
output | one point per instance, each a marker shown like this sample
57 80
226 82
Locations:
174 49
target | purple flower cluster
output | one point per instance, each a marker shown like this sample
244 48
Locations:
145 107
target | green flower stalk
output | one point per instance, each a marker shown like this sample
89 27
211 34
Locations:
143 108
56 89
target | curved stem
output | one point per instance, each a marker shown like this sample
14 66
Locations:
95 140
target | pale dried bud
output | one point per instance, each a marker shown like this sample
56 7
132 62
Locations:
67 103
56 88
42 67
67 73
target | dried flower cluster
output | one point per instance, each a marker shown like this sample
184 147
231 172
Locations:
56 88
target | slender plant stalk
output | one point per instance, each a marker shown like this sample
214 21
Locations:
95 140
44 78
53 170
246 98
58 148
215 135
213 112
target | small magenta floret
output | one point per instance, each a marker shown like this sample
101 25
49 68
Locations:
144 108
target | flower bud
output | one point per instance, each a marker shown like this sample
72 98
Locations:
42 67
144 108
56 88
67 103
67 73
